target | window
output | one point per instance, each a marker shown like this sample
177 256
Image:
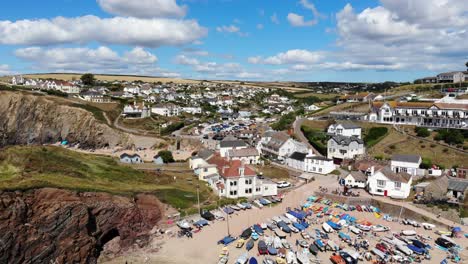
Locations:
205 169
257 189
248 181
397 185
380 183
233 183
233 193
248 191
320 169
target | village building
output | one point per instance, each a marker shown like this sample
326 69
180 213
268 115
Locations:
344 129
230 143
406 163
356 98
356 179
457 189
386 182
279 145
136 111
130 158
246 155
342 148
158 160
165 110
95 97
308 162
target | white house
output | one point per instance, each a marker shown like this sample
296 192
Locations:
230 144
127 158
311 108
389 183
341 147
279 145
246 155
132 89
192 110
406 163
356 179
136 111
95 97
344 129
310 163
166 110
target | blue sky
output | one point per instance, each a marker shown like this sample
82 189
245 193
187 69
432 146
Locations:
299 40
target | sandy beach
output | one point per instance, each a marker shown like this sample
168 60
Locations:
203 248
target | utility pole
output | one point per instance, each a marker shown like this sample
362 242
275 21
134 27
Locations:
198 198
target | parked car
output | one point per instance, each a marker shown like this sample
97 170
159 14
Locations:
283 184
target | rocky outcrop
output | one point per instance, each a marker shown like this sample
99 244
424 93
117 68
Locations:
59 226
32 119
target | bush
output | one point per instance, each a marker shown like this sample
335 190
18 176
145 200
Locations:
318 139
379 157
426 163
422 131
374 135
450 136
392 147
285 122
166 156
445 150
172 127
433 145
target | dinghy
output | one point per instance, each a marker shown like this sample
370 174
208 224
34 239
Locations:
408 232
378 253
268 260
241 206
364 228
253 260
404 249
291 258
332 245
258 229
345 237
302 243
327 228
355 230
320 244
280 233
242 259
380 228
272 250
262 248
277 242
313 249
428 226
240 243
249 245
223 260
285 244
416 249
302 257
255 236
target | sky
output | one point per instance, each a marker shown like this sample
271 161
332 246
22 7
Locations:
259 40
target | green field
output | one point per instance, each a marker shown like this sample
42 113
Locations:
23 168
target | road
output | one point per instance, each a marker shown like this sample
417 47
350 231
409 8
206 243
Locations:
300 136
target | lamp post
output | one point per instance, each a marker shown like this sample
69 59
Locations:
198 198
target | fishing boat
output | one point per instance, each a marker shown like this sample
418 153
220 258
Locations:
345 237
408 232
285 219
291 217
264 226
355 230
262 248
246 233
291 258
258 229
380 228
240 243
302 257
242 259
271 225
404 249
378 253
272 250
268 260
294 229
364 228
249 245
247 205
327 228
223 260
280 260
280 233
235 208
227 240
253 260
228 210
428 226
258 204
331 245
416 249
305 235
285 244
224 252
320 244
254 236
298 226
333 225
183 224
302 243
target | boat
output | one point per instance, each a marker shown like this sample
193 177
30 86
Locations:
242 259
285 219
404 249
380 228
249 245
282 252
280 233
291 258
272 225
240 243
280 260
333 225
298 226
355 230
416 249
254 236
246 233
223 260
302 243
268 260
183 224
253 260
201 223
247 205
291 217
262 248
224 252
272 250
264 226
320 244
277 242
285 244
258 229
337 259
227 240
378 253
364 228
345 237
313 249
264 201
331 245
283 226
428 226
327 228
408 232
302 257
294 229
276 219
305 235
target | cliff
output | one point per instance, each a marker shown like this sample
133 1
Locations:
32 119
59 226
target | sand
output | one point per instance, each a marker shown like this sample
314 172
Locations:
203 248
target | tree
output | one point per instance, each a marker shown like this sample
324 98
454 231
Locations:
87 79
422 131
466 64
166 156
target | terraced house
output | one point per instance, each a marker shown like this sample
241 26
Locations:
427 114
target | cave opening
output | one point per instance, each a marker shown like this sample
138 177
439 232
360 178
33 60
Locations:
105 238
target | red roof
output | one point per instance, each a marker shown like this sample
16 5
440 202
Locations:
231 169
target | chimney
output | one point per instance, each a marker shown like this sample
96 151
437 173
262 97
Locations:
311 153
372 169
241 171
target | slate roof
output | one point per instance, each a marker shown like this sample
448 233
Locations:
345 141
124 155
245 152
319 158
406 158
205 153
457 185
298 156
358 176
232 143
395 177
348 125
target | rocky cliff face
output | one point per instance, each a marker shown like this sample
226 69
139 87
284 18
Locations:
59 226
31 119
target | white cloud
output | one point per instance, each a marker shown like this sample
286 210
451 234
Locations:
299 21
296 56
143 8
101 59
4 69
86 29
260 26
228 29
274 19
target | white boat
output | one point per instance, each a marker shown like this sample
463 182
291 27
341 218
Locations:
277 243
280 233
294 229
342 222
428 226
269 240
332 245
303 256
408 232
291 217
363 227
276 219
285 244
404 249
223 260
285 219
327 228
354 254
242 259
291 258
263 226
305 235
378 253
355 230
380 228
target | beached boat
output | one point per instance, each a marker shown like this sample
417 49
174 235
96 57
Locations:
334 225
264 226
416 249
331 245
408 232
291 217
223 260
228 210
302 243
258 204
247 205
258 229
254 236
249 245
276 219
242 259
298 226
364 228
327 228
428 226
246 233
271 225
268 260
285 244
277 242
282 252
280 233
313 249
378 253
280 260
345 237
262 247
224 252
285 219
302 257
227 240
380 228
235 208
355 230
404 249
291 258
242 207
183 224
294 229
240 243
253 260
320 244
305 235
272 250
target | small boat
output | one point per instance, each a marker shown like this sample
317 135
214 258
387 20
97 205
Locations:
416 249
302 243
258 229
264 201
183 224
268 260
254 236
280 233
294 229
364 228
380 228
264 226
272 250
314 249
290 217
227 240
242 259
285 244
253 260
247 205
332 245
378 253
428 226
285 219
345 237
224 252
404 249
262 248
320 244
302 257
277 243
246 233
291 258
240 243
408 232
305 235
298 226
281 253
333 225
276 219
250 244
355 230
223 260
272 225
327 228
280 260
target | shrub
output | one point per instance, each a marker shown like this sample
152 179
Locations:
450 136
374 135
423 146
166 156
172 127
392 147
422 131
433 145
285 122
426 163
445 150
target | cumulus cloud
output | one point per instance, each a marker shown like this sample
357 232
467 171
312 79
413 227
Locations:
86 29
299 21
274 19
260 26
143 8
228 29
296 56
102 59
4 69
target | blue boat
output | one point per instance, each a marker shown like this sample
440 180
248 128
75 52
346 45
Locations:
344 236
284 227
298 226
319 243
227 240
255 236
334 225
253 261
272 250
304 224
258 229
228 210
416 249
297 214
249 245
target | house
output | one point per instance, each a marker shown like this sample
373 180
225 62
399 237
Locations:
17 80
191 110
451 77
246 155
238 180
457 189
311 108
230 143
356 179
132 89
158 160
341 147
462 172
308 162
136 111
279 145
344 129
67 87
130 158
389 183
406 163
95 97
165 110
